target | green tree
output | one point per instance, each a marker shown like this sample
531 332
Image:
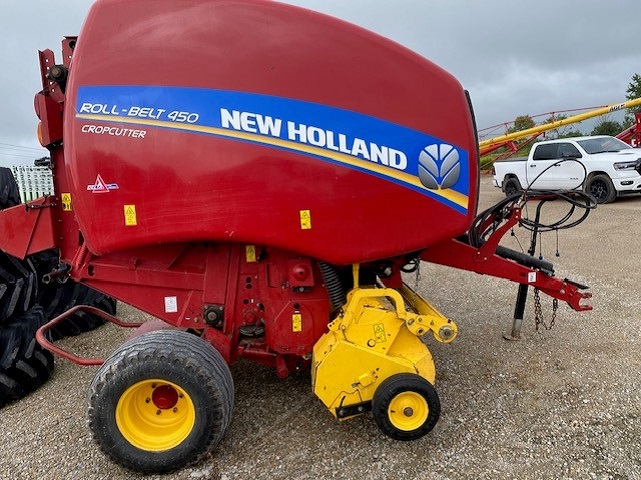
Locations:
607 127
633 91
564 131
522 122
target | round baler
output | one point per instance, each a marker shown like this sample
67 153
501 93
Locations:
258 176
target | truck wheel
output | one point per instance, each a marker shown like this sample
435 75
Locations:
406 406
601 188
24 365
511 187
161 401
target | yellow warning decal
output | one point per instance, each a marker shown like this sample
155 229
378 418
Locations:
305 220
297 322
379 333
130 215
250 253
65 198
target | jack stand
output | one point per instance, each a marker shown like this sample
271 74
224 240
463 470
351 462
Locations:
519 311
521 296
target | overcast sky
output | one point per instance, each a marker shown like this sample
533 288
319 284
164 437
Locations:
514 57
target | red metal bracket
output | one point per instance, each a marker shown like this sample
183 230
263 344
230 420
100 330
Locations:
41 334
484 260
455 253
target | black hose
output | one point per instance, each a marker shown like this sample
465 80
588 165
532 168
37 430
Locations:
525 259
577 199
333 284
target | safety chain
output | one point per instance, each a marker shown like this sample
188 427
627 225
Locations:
538 312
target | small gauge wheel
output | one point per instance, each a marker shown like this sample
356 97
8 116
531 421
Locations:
406 406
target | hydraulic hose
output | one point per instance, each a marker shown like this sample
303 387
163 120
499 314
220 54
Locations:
334 285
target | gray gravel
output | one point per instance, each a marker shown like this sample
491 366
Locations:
561 404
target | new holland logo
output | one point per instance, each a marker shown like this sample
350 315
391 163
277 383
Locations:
101 187
439 166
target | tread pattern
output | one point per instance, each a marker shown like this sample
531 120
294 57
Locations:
180 357
24 365
18 286
57 298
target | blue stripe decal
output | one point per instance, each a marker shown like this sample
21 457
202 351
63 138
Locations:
396 153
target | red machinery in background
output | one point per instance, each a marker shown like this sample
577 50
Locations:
258 176
632 135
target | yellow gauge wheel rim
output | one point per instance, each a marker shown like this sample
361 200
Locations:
408 411
155 415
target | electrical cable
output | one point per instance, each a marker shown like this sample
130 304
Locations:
12 146
577 199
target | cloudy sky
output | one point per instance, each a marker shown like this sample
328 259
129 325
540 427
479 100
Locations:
514 57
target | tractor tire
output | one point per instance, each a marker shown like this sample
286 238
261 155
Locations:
601 188
511 187
64 296
24 365
9 192
18 286
406 406
161 401
56 298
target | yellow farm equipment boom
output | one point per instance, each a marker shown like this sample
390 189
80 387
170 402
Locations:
489 145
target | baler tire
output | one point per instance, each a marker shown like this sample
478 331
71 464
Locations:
24 365
418 400
198 396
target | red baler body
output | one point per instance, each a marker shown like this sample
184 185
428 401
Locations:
221 163
259 123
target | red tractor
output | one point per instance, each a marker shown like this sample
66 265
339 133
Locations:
258 176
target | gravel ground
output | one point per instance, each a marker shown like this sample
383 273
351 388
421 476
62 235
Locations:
561 404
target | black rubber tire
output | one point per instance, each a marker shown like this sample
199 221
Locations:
511 186
601 188
66 296
395 385
24 364
174 356
9 192
57 298
18 286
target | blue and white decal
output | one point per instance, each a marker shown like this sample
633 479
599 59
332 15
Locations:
396 153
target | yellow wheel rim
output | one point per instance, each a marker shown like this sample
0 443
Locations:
408 411
155 415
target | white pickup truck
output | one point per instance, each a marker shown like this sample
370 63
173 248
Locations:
601 165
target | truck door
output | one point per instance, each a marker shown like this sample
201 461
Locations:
569 174
557 166
540 172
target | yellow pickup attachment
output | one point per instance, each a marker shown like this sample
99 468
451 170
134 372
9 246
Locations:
375 339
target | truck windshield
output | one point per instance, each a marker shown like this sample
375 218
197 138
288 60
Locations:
603 144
